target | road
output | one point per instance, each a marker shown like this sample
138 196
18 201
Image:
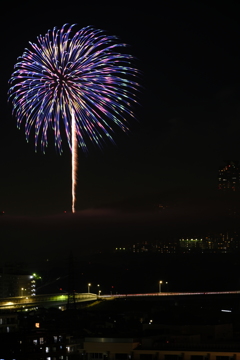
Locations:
172 294
61 300
50 300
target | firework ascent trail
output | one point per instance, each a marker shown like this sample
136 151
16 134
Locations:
74 162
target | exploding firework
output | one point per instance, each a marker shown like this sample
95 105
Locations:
78 83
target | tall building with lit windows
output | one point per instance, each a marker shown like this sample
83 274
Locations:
12 285
229 177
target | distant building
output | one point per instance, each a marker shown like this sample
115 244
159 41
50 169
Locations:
109 348
227 242
229 176
151 348
12 285
43 344
34 345
190 244
8 322
166 246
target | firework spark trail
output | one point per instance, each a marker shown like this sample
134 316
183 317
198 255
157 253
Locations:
84 73
74 162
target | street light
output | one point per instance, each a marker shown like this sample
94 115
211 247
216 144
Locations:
99 292
160 283
89 287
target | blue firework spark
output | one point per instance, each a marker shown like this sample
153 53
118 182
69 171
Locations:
66 72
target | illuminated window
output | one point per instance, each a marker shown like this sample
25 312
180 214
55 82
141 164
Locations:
37 325
55 339
35 341
47 349
41 340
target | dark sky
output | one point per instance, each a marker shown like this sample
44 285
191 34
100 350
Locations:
188 117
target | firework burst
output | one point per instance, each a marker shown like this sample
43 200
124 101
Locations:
78 83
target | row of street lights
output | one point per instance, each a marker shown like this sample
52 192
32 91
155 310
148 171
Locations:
89 287
22 289
99 291
160 285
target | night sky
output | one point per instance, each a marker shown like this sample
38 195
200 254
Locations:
188 124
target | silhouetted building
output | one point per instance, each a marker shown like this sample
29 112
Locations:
8 322
12 285
190 244
165 246
229 176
